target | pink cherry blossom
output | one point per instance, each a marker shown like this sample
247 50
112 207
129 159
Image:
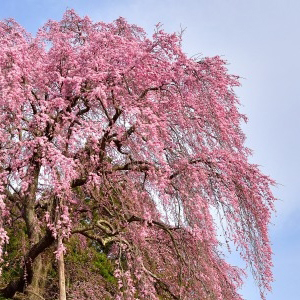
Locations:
117 137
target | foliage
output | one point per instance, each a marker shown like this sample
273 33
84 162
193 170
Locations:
136 150
12 260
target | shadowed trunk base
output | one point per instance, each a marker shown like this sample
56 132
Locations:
33 265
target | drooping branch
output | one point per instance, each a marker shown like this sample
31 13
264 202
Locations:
161 283
192 162
159 224
166 228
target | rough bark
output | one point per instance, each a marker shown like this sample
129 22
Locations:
41 267
26 275
34 232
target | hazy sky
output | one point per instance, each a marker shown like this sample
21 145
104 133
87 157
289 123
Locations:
260 41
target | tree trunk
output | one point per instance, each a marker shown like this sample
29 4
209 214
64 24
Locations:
41 268
25 278
61 273
34 288
34 234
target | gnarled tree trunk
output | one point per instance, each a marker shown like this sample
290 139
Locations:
27 274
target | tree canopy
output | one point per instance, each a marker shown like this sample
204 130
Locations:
125 157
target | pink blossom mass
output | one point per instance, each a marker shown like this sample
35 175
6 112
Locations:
119 140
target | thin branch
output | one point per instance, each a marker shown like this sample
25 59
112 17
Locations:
32 105
145 92
165 228
162 284
137 165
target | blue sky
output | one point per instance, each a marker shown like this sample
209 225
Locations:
261 41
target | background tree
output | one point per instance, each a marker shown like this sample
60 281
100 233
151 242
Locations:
131 154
